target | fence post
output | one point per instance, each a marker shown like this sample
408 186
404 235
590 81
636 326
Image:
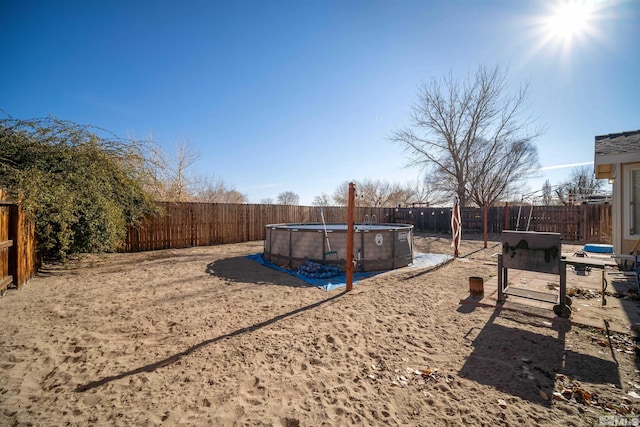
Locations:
350 236
506 216
14 250
583 226
485 224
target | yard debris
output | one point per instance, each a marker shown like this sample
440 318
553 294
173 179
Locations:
413 371
583 293
631 295
418 377
587 293
431 374
621 343
572 392
400 380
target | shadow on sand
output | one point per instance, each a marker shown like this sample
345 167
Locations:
151 367
242 269
524 364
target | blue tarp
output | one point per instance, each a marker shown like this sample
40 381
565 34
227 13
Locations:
420 261
327 283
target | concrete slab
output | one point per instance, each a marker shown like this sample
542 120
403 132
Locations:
585 291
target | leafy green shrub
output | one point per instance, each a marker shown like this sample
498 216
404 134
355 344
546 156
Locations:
81 189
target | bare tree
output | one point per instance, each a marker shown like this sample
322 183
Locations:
369 193
400 195
180 179
428 192
473 134
341 194
499 169
234 196
322 200
214 190
266 201
288 198
171 175
547 193
151 160
374 193
581 186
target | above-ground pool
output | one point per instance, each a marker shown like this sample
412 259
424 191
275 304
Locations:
376 246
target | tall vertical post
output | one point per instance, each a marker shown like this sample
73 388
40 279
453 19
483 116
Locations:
486 224
501 275
506 216
350 235
456 226
16 249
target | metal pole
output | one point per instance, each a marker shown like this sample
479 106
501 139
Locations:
350 235
486 224
501 275
530 215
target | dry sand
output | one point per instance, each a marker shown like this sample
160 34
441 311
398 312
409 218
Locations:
204 336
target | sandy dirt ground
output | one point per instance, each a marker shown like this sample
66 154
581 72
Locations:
205 336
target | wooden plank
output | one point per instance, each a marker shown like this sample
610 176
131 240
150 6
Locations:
588 262
17 268
624 257
531 294
6 244
5 282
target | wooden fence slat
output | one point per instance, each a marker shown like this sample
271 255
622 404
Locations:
195 224
18 257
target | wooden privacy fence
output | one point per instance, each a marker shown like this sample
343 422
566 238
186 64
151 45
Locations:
581 223
201 224
18 259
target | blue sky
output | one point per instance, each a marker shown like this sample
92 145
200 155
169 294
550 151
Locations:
303 95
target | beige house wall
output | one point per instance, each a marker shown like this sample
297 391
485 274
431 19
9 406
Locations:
623 194
614 161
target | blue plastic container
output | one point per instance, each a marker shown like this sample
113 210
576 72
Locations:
598 248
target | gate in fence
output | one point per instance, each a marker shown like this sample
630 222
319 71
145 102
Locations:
18 258
7 266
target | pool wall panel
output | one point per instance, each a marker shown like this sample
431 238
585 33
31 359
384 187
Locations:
376 247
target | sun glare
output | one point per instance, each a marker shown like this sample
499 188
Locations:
566 29
569 19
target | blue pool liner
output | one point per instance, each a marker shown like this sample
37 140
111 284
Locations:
327 283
